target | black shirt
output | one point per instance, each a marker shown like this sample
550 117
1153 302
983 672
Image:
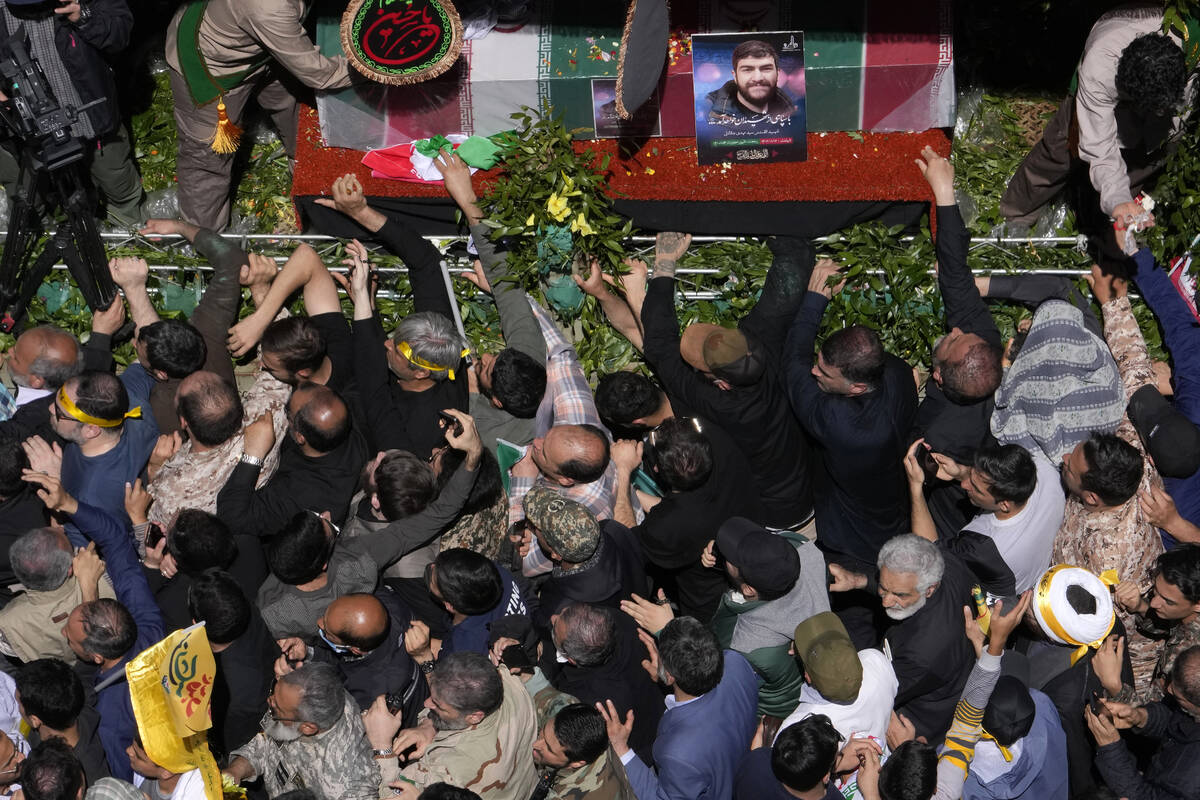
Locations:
676 530
396 418
321 483
862 492
757 417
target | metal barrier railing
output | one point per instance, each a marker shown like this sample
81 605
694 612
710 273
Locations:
327 245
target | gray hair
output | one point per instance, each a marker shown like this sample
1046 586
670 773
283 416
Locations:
467 682
38 562
322 696
911 554
590 637
434 339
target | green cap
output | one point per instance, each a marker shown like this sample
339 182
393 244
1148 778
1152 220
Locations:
567 527
829 657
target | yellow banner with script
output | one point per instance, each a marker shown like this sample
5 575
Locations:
170 685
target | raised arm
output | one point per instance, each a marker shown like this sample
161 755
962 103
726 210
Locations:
303 270
965 309
517 324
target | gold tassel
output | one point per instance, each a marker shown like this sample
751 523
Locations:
225 138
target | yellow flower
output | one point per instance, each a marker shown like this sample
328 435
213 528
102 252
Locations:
580 224
557 207
529 222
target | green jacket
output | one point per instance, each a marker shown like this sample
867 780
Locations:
762 630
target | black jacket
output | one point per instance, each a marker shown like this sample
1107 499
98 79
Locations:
861 495
396 418
18 514
89 749
758 417
614 571
245 671
623 680
931 656
387 669
324 483
1173 772
676 530
85 47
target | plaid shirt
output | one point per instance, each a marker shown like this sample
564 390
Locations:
568 401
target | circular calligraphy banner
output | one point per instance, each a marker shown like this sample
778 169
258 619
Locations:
401 41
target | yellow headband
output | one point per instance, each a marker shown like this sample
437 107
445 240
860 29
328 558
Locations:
1042 597
406 350
1004 751
87 419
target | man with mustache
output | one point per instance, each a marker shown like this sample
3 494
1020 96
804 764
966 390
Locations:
753 95
312 736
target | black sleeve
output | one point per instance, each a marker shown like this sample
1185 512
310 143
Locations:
246 510
1031 289
385 421
339 346
424 264
965 309
980 555
97 352
783 290
109 26
660 340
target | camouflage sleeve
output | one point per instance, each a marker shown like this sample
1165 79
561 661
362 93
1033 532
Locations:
1127 345
253 751
1128 348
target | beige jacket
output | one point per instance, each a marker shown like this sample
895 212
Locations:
31 624
235 34
1105 126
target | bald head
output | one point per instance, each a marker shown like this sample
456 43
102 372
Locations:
359 620
319 417
209 407
45 358
576 453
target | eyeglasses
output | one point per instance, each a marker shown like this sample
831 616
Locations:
271 709
9 767
61 415
340 649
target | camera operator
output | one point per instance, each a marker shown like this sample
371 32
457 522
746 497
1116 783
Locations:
71 41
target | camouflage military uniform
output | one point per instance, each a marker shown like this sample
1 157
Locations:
190 479
335 764
1120 539
603 779
494 759
1179 638
482 532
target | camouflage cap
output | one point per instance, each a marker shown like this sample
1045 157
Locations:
567 527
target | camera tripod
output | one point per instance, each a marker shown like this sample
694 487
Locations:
51 178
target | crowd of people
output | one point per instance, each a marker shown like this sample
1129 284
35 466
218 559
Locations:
770 565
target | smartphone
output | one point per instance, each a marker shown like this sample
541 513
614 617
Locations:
1009 603
928 463
449 422
515 657
395 701
1095 704
154 535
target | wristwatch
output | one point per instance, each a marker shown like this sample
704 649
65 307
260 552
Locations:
85 15
426 667
252 460
385 753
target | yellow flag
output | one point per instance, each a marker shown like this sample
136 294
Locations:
170 685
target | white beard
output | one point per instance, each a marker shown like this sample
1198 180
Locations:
905 613
280 732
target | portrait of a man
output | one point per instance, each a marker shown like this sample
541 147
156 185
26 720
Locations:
753 93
